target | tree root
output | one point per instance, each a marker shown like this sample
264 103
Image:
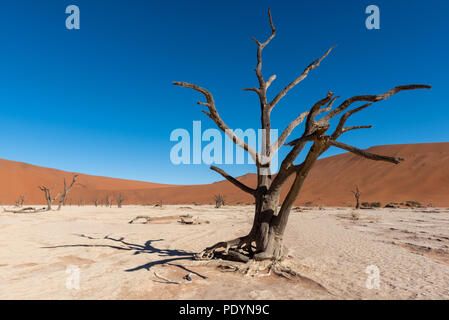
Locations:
239 250
254 268
238 256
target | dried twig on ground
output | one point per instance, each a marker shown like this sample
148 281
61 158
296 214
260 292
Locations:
188 278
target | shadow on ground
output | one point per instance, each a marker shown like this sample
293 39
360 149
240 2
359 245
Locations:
168 255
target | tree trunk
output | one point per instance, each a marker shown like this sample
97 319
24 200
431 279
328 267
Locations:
269 224
267 240
49 203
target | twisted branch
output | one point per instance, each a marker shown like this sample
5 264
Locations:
365 154
213 114
313 65
234 181
371 98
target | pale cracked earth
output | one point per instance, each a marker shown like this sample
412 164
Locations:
42 253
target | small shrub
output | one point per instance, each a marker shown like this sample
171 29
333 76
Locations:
413 204
371 204
392 205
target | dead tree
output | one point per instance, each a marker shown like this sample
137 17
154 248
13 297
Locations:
66 191
120 200
108 201
219 200
356 193
48 197
20 201
264 240
96 202
27 210
159 204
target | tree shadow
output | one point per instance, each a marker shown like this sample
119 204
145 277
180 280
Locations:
171 254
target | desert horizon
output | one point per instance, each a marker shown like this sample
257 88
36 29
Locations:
422 177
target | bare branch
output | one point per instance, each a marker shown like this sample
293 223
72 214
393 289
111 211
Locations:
287 131
270 80
339 130
317 110
310 122
256 90
313 65
312 131
213 114
364 153
260 47
234 181
346 129
329 106
306 138
66 191
372 98
47 195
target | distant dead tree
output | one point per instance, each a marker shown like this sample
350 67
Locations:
20 201
107 201
159 204
48 197
265 239
120 200
356 193
96 202
219 200
66 190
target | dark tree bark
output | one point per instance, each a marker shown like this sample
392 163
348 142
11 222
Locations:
264 240
66 191
219 200
48 197
20 201
108 201
356 193
120 200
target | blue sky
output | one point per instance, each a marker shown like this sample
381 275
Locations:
99 100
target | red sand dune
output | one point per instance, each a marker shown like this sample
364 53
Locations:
422 177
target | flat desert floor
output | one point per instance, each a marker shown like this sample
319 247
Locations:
42 253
